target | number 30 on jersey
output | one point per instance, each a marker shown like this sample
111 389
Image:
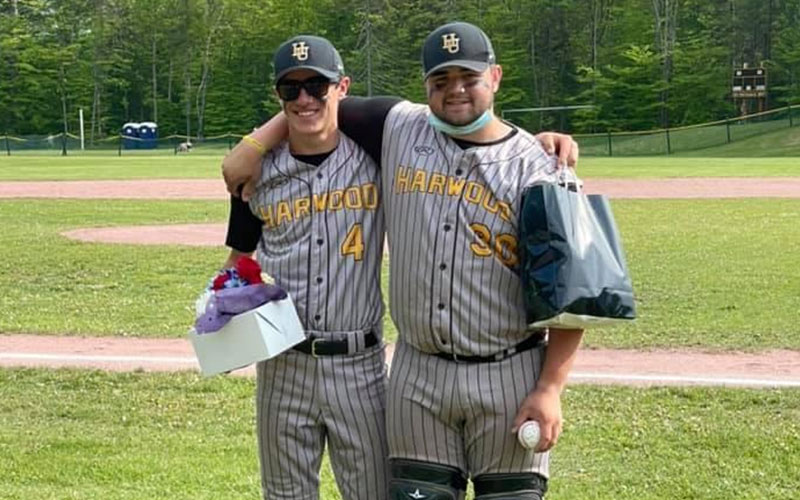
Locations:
503 246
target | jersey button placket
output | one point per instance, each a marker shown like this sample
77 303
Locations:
462 166
319 253
443 277
441 303
449 242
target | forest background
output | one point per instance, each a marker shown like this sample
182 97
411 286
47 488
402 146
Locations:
204 67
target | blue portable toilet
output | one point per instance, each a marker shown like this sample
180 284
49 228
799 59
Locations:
148 133
130 135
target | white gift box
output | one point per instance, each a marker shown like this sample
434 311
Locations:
253 336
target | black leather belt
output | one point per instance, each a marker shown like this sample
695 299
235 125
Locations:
531 342
326 347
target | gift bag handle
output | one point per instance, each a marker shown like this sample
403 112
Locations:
569 179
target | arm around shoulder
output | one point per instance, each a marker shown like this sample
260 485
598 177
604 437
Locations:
561 144
241 167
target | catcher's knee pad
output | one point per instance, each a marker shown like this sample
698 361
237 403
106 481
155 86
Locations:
520 486
413 479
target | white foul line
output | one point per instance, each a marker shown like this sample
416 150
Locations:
577 376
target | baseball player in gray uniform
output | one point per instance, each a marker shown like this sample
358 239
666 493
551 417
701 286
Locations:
467 370
317 223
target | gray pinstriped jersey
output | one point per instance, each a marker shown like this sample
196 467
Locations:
452 228
323 236
322 240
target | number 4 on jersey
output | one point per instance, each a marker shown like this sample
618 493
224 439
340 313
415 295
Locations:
353 243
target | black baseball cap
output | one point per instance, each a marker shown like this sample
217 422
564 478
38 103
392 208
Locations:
457 44
308 52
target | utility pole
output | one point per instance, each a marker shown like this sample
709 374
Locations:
63 81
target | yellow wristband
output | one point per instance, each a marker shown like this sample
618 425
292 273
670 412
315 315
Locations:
248 139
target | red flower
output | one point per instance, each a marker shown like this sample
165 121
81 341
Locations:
219 281
249 270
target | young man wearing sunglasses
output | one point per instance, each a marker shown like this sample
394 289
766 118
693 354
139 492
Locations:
317 224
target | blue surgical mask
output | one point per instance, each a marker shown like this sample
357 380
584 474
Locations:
459 130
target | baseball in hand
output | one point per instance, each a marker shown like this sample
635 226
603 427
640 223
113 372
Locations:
529 434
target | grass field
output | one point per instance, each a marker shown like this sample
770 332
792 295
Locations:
661 166
767 138
88 435
708 273
73 168
52 284
38 168
784 142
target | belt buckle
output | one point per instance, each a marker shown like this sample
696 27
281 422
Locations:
314 347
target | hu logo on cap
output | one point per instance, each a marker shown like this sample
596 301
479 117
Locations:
450 43
300 51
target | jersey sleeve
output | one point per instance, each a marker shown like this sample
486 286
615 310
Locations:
244 228
362 119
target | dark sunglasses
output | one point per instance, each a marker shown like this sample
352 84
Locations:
316 86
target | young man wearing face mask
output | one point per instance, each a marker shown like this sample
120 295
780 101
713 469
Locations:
467 371
317 226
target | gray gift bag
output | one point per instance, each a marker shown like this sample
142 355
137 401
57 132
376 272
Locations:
573 268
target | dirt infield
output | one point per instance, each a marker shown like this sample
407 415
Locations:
174 234
213 189
601 366
164 189
766 369
214 234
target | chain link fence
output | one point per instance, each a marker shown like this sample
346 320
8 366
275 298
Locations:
687 139
121 145
647 143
